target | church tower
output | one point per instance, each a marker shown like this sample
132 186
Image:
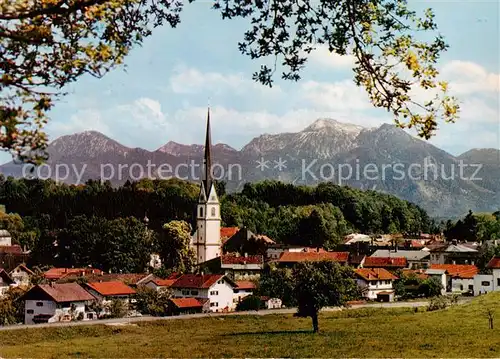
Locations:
206 241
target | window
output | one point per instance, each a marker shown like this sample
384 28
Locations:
485 283
498 282
90 315
471 287
214 292
461 287
214 304
39 304
194 292
213 211
185 292
201 212
29 311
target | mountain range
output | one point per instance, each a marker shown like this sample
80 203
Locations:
384 158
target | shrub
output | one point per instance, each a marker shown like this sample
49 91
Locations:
251 302
438 303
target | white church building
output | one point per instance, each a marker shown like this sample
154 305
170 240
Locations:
206 240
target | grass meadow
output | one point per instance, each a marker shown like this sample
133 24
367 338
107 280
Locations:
459 331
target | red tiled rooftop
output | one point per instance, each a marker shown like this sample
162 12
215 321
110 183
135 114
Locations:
164 282
186 302
199 281
385 262
238 259
67 292
370 274
466 271
494 263
228 232
57 273
416 273
111 288
245 284
293 257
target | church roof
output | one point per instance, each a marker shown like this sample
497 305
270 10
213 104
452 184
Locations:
207 175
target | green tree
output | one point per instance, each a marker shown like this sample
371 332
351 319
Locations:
11 308
174 248
321 284
152 302
278 283
62 42
250 302
431 287
117 308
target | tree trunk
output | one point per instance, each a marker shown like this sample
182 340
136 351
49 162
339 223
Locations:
314 317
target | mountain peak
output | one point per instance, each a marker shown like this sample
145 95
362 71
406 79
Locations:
322 124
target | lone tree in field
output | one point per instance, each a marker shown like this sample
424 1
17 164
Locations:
47 44
322 284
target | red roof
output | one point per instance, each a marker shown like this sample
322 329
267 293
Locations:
370 274
186 302
67 292
111 288
245 284
164 282
417 273
385 262
465 271
237 259
228 232
293 257
494 263
57 273
199 281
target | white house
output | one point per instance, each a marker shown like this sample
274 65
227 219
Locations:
376 283
48 303
243 288
107 291
159 284
218 289
459 277
5 282
272 303
485 283
5 238
21 275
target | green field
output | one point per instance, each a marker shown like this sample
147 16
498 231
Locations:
459 331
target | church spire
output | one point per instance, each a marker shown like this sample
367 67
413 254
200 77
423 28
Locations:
207 175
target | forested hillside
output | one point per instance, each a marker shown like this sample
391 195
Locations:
100 225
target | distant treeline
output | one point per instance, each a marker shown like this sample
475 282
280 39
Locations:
314 216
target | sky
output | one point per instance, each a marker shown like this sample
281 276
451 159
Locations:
163 93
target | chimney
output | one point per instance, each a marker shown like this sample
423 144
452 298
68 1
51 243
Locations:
52 284
246 255
317 249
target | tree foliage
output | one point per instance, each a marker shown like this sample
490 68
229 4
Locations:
11 308
321 284
250 302
48 44
152 302
174 246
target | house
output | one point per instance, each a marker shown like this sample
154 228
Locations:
5 238
485 283
441 275
159 284
243 289
5 282
48 303
130 279
105 292
245 241
291 258
179 306
217 289
60 273
21 275
228 232
459 277
390 263
356 260
236 266
376 283
271 303
453 253
274 250
12 256
414 259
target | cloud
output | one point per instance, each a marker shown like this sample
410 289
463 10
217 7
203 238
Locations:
468 78
192 81
341 95
323 57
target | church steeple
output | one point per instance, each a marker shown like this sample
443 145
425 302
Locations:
207 161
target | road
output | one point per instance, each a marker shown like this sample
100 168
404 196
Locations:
125 321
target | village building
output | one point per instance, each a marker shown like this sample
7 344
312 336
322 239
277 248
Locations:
21 275
414 259
459 277
245 241
13 255
217 290
48 303
376 283
5 238
56 274
389 263
243 289
6 282
271 303
105 292
178 306
453 253
291 258
235 266
206 241
159 284
485 283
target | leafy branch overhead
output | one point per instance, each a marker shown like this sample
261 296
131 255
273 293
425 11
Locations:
47 44
391 63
